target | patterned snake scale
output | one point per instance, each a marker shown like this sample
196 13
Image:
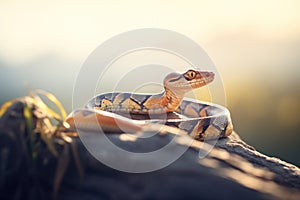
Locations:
126 112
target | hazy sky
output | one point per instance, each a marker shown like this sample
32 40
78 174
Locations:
72 29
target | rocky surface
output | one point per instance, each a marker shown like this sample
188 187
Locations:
228 168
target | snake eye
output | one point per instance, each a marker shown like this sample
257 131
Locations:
192 74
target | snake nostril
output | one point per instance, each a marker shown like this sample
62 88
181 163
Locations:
205 74
210 74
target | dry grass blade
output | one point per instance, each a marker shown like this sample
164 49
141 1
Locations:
53 99
40 104
61 168
40 121
5 106
49 140
27 112
77 160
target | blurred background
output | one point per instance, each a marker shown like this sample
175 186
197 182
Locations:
254 44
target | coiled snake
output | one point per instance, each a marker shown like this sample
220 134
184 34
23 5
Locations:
126 112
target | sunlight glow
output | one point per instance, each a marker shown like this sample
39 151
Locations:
33 28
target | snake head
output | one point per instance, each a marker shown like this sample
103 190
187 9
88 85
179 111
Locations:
192 79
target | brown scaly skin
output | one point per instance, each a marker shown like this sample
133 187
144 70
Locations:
175 84
210 121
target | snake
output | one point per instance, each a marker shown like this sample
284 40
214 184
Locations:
118 112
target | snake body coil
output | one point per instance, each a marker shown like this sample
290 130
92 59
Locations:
126 112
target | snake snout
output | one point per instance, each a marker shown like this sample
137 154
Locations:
207 74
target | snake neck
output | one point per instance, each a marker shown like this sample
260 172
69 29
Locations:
170 100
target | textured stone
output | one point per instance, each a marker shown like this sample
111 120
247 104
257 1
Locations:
231 169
